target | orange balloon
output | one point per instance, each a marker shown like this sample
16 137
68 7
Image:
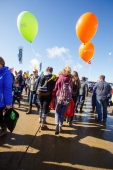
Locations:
86 51
86 27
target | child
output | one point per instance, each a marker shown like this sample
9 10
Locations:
16 93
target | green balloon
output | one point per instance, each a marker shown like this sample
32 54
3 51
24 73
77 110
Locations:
27 25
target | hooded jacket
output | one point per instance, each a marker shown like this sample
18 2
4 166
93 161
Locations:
50 83
65 78
6 82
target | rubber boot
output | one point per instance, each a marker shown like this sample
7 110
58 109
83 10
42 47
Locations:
29 110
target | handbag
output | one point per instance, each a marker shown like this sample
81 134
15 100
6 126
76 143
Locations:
10 118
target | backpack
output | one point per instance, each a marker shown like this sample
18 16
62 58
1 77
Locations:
65 94
43 86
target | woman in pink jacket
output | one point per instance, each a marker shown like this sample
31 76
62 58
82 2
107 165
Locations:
63 91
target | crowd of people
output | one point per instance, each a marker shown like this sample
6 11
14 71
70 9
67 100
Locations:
42 88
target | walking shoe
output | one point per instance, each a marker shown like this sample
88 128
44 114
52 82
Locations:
43 127
3 132
99 121
76 111
57 130
81 111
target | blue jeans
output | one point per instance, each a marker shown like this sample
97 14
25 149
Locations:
59 114
99 105
32 98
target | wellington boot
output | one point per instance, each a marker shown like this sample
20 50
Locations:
29 110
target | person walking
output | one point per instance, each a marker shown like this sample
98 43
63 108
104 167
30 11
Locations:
16 93
103 90
83 92
45 86
75 93
32 88
63 90
6 82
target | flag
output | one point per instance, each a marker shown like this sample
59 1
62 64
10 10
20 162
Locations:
20 55
89 62
40 66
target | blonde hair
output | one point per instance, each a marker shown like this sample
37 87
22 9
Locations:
66 70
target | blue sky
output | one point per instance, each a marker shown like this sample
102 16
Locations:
56 43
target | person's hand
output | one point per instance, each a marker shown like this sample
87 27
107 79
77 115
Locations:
8 107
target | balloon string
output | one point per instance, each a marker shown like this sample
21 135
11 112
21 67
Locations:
89 71
33 50
84 66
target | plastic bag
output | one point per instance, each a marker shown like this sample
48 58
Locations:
70 109
53 102
10 118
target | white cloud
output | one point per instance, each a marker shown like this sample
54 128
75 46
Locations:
34 62
56 52
110 53
62 53
77 67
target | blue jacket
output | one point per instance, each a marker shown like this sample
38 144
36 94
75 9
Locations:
6 81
